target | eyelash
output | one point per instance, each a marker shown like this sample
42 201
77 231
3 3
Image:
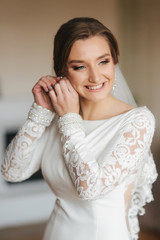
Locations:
104 62
76 68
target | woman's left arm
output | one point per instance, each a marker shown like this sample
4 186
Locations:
132 143
91 180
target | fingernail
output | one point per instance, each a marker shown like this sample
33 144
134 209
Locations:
59 78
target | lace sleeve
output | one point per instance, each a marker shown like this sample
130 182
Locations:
91 179
18 164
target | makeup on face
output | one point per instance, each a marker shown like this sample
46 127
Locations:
91 67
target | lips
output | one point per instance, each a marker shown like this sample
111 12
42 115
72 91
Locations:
95 87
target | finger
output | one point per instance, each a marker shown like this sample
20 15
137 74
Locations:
50 81
64 87
58 91
70 87
39 86
53 97
60 78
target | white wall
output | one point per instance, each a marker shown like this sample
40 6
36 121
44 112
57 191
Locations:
27 29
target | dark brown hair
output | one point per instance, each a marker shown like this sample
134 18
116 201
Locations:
75 29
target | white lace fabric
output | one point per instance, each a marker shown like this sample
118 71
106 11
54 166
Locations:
93 180
125 162
18 157
40 115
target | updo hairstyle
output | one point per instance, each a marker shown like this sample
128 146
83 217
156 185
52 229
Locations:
75 29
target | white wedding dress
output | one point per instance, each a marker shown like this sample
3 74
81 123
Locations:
101 172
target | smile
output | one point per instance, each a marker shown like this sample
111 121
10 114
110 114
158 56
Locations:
95 87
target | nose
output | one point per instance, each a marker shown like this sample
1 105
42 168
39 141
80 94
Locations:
94 75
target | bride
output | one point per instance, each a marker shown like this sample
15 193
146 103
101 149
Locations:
90 140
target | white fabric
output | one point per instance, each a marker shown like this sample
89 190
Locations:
122 90
149 173
95 173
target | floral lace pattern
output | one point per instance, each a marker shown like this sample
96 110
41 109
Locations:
93 179
18 156
126 162
142 195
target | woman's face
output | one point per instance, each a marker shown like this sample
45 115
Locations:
90 68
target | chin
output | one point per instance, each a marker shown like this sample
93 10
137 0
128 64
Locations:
96 99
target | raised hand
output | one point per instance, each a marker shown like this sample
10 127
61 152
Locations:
64 98
41 91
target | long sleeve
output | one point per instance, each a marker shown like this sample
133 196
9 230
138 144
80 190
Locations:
18 162
92 178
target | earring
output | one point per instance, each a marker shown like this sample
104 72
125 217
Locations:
114 85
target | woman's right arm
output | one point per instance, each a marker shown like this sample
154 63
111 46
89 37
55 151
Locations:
23 155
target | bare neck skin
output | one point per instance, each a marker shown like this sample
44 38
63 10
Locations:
103 109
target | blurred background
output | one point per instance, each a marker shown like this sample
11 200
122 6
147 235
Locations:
27 29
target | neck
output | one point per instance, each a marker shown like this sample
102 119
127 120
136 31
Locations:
96 110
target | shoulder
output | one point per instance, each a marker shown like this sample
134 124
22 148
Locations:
142 113
129 112
141 117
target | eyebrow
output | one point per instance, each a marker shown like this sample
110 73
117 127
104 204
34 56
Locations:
81 61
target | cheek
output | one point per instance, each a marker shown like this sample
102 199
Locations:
112 73
76 78
113 76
